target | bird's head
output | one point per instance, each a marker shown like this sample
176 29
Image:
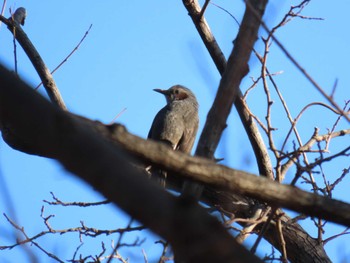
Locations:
176 92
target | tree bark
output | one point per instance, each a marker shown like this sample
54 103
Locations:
55 134
194 235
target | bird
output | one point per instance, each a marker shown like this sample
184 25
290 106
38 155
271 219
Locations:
176 124
19 16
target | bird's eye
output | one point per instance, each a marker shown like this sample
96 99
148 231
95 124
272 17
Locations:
176 91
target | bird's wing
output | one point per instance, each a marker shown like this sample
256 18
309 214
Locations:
150 132
189 136
173 129
168 127
157 124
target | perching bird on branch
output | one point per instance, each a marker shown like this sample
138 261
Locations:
19 16
177 123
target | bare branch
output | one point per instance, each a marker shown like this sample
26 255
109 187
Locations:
163 257
294 122
107 167
37 62
3 9
282 240
30 240
261 154
203 9
118 115
81 204
82 230
69 55
200 169
344 232
307 146
298 66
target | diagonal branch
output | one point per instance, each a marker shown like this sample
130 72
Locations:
329 98
69 55
38 63
47 138
236 69
107 168
231 92
197 168
310 251
233 180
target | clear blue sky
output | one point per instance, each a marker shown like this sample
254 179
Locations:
136 46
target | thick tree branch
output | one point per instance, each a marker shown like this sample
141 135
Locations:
29 138
197 168
250 26
107 168
301 247
195 12
237 68
219 194
38 63
236 181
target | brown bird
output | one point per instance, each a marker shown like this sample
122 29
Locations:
177 123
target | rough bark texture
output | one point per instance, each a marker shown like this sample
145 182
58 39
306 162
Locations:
194 235
38 63
49 135
229 91
295 236
301 247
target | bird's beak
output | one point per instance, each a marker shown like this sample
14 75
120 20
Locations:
162 91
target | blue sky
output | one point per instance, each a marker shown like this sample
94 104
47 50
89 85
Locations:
136 46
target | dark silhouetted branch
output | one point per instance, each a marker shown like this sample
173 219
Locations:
38 63
107 168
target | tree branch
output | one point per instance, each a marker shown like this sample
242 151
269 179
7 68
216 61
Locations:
38 63
107 168
298 66
201 169
301 247
231 93
235 181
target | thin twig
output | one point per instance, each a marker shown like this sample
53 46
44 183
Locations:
307 146
82 230
27 239
301 113
258 218
81 204
14 43
119 241
344 232
165 245
37 61
336 124
334 88
201 14
297 65
118 115
69 55
282 241
263 230
225 10
338 180
144 256
3 9
269 103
